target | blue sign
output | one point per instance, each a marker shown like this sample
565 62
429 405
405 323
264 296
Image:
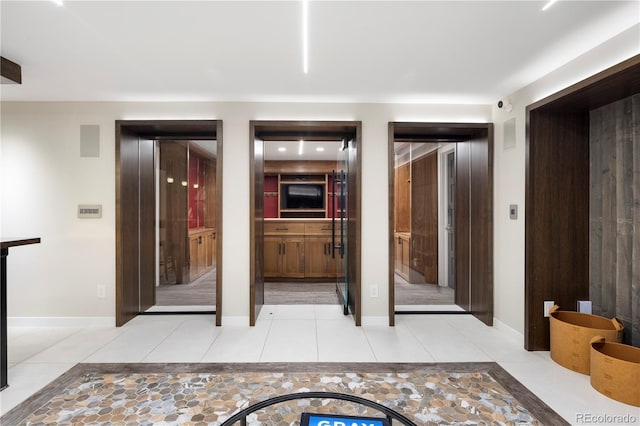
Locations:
309 419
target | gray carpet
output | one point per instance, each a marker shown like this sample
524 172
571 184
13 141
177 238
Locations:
203 292
422 294
200 292
296 293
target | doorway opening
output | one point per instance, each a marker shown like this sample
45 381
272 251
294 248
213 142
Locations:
168 217
440 219
185 172
305 215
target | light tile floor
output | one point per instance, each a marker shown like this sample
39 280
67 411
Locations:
294 333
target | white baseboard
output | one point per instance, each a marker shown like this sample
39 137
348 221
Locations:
235 320
509 331
81 322
375 321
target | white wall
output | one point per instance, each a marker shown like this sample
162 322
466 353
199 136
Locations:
509 170
43 181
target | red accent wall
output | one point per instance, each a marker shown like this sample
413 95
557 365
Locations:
270 201
196 191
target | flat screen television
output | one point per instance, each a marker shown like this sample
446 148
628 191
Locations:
296 196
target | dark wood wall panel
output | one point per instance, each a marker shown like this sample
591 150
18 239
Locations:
557 227
481 229
596 152
462 225
635 269
614 170
127 202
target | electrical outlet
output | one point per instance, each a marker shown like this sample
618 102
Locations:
374 291
548 304
101 291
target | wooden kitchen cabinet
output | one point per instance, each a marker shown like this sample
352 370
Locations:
402 254
284 249
284 257
318 261
202 246
300 249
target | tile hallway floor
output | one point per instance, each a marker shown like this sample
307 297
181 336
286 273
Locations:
296 333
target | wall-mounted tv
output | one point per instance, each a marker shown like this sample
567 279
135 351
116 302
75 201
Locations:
301 196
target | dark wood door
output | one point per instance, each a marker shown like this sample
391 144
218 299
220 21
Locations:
450 220
353 233
463 188
473 227
147 220
481 227
127 232
424 220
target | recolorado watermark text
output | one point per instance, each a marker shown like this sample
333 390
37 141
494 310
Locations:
606 419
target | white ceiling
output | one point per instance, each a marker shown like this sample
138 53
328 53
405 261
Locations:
378 51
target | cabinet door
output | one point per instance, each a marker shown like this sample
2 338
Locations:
398 254
203 241
214 250
406 243
272 257
317 257
210 248
193 257
293 257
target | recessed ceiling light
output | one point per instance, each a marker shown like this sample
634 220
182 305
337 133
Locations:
300 147
548 5
282 149
320 149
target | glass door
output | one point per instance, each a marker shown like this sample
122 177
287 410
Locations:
340 225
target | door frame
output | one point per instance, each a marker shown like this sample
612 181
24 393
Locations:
265 130
126 282
480 139
557 193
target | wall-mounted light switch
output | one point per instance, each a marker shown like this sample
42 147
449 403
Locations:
513 211
89 211
548 304
584 306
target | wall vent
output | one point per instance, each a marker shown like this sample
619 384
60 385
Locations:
509 133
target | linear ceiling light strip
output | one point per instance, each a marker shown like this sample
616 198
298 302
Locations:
305 36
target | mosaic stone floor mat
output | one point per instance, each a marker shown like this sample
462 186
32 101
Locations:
208 394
